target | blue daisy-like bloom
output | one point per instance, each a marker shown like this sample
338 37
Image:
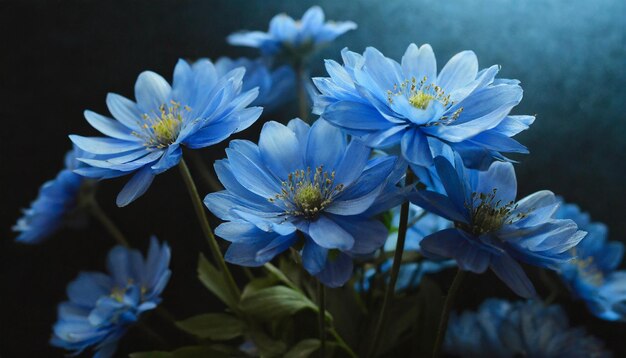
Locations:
304 186
519 329
592 276
55 206
420 225
101 307
388 103
200 109
293 37
491 229
276 86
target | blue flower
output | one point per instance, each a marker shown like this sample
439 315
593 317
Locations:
55 206
592 275
293 37
519 329
491 229
101 307
307 187
388 103
275 86
202 108
421 224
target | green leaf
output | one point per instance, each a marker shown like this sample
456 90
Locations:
279 274
185 352
275 302
213 279
258 284
215 326
268 347
303 349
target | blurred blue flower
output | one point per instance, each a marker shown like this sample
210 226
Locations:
307 187
293 37
519 329
55 206
202 108
386 103
421 224
101 307
592 275
276 86
491 229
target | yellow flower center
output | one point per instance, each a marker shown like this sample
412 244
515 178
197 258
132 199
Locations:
306 193
421 100
161 129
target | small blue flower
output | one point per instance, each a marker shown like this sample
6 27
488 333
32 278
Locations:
55 206
592 275
101 307
293 37
202 108
519 329
388 103
491 229
276 86
307 187
421 224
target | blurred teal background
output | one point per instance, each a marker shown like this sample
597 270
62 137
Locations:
62 57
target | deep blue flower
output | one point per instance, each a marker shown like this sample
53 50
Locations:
386 103
55 206
276 86
519 329
202 108
297 37
421 224
101 307
491 229
592 275
307 187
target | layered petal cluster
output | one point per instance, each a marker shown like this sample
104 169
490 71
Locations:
101 307
276 86
388 103
293 37
55 206
420 225
593 276
306 187
145 138
491 230
519 329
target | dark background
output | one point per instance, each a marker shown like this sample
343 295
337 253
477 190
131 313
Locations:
61 57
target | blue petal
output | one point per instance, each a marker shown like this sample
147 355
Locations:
442 244
353 163
509 271
328 234
415 148
313 257
280 149
124 110
136 187
251 173
438 204
170 158
500 176
370 235
355 115
151 91
337 271
459 71
325 146
88 288
109 127
420 63
104 145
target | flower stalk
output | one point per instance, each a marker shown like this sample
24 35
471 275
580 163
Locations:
206 228
445 314
96 211
322 317
395 269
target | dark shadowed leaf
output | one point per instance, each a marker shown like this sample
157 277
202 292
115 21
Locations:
215 326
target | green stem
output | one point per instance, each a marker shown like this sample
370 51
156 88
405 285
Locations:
206 228
100 215
395 269
445 314
302 96
322 317
342 343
